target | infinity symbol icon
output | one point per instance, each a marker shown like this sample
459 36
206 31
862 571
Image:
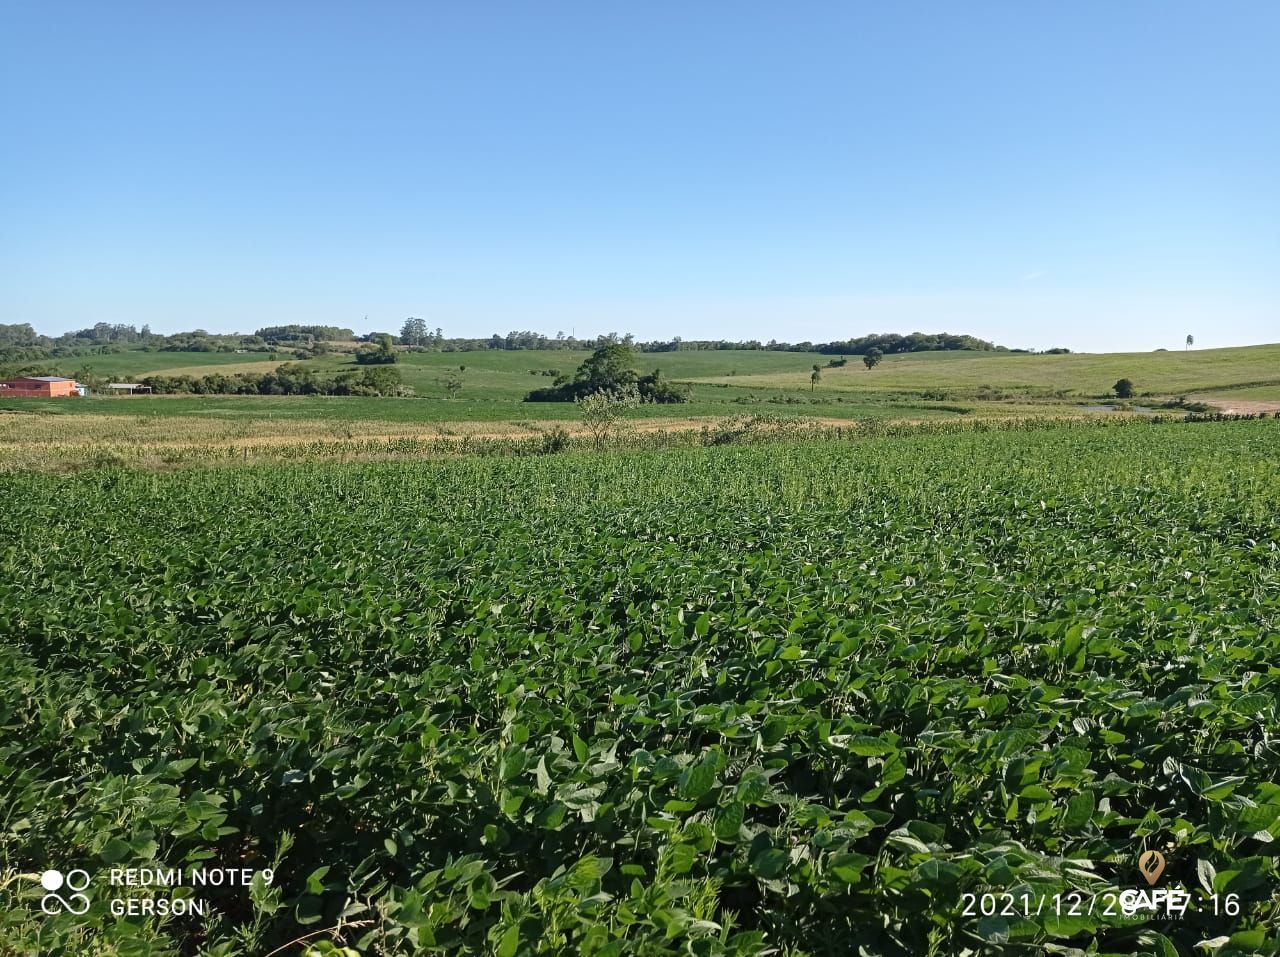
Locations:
54 903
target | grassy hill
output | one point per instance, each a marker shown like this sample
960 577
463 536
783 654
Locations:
135 363
496 374
509 375
967 374
725 383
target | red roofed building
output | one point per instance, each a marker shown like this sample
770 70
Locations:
39 387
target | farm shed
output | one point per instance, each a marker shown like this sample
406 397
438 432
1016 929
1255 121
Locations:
40 387
131 388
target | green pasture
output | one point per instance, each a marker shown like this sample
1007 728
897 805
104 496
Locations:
966 374
724 382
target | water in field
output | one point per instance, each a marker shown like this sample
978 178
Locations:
1118 408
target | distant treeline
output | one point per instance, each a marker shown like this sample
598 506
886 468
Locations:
289 379
22 348
299 333
21 345
887 343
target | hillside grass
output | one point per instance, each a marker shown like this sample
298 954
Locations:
725 384
1084 375
502 375
135 363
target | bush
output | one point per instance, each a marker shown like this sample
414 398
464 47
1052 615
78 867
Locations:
555 440
608 370
383 353
1123 389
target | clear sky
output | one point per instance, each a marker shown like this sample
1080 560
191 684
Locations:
1099 175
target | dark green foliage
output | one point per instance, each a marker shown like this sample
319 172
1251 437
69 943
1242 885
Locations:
891 343
654 387
21 343
18 335
1123 389
295 333
872 358
288 379
383 353
611 369
414 332
740 700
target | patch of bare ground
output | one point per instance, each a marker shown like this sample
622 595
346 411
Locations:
1223 403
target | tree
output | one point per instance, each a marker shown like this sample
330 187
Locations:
872 358
1191 341
602 412
608 369
414 332
660 391
378 381
1123 389
453 386
814 377
384 353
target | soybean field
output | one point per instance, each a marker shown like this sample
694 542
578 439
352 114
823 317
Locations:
905 695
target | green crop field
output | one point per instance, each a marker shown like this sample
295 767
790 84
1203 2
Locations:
136 363
931 693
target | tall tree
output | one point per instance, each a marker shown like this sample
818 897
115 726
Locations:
414 332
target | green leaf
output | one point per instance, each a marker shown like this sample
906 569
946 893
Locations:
697 780
729 821
1080 808
848 868
770 863
315 880
115 851
509 944
1205 873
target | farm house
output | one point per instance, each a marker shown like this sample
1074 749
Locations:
41 387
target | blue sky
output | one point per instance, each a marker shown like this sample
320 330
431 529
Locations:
1097 175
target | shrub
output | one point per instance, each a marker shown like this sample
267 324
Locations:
554 440
608 370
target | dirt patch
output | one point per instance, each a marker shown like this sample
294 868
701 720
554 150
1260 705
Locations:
1223 403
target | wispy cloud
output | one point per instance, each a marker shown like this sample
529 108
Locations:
1033 276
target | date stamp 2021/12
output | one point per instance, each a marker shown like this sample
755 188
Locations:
1169 903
